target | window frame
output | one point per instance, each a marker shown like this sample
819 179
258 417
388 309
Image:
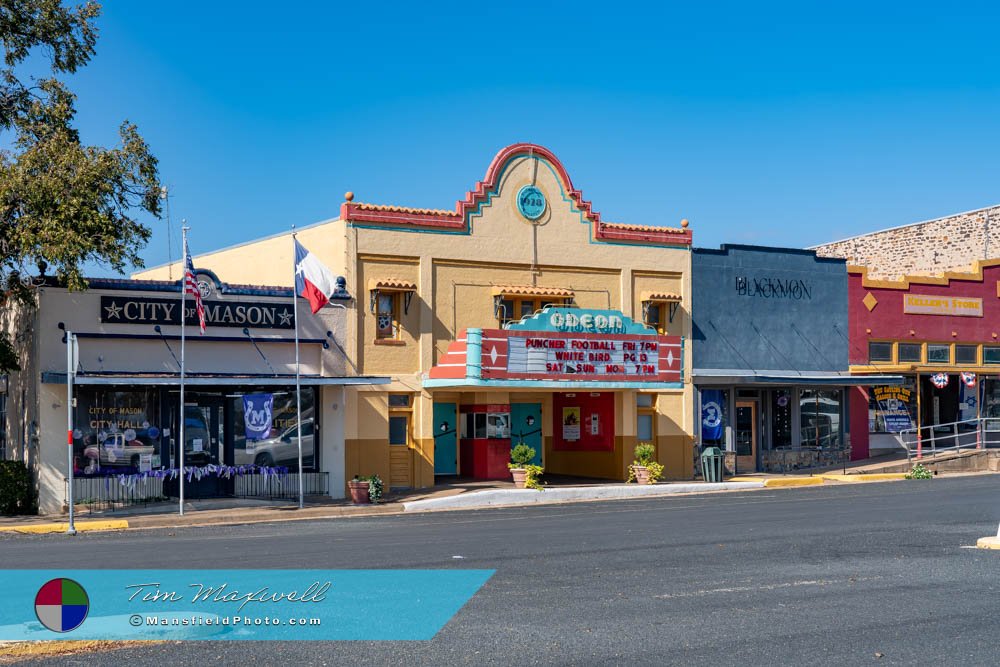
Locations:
890 357
401 411
985 361
395 323
927 355
920 353
537 303
646 411
966 346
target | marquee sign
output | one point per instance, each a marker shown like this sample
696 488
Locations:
564 344
146 310
570 356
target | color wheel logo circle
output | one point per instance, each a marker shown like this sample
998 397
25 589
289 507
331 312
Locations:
61 605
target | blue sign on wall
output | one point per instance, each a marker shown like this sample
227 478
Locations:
531 202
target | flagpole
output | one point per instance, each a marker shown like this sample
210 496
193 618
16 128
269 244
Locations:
298 387
184 231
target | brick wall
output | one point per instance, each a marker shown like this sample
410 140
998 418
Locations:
951 243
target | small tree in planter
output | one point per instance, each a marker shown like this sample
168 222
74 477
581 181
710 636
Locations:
524 473
644 469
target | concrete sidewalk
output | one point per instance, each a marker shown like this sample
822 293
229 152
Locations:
563 494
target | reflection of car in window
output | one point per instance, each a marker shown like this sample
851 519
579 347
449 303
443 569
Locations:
822 426
117 451
280 450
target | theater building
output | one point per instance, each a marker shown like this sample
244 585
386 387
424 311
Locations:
941 334
126 390
517 316
770 343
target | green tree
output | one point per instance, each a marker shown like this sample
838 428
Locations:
62 203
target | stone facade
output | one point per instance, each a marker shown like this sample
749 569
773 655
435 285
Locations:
932 247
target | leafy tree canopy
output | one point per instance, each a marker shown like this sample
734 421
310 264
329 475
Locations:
62 203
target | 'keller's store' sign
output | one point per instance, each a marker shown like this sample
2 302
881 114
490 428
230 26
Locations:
142 310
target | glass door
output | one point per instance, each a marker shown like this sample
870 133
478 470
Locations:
746 436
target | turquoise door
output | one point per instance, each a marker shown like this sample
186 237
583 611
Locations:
526 427
445 439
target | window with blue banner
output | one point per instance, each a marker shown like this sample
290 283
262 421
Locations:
714 417
266 428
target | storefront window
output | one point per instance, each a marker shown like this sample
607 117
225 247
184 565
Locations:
116 430
819 414
781 418
892 409
991 410
879 351
911 352
966 354
266 428
991 355
498 425
939 354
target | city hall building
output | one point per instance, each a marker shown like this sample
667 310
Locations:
517 316
126 394
770 340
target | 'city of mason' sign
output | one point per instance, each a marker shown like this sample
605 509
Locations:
260 315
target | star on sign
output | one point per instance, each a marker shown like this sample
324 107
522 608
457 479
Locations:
113 311
286 317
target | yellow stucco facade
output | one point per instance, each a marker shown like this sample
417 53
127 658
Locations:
426 276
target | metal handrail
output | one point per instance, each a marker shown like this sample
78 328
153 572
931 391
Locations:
920 441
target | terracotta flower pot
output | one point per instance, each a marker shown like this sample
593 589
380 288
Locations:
641 474
359 492
519 474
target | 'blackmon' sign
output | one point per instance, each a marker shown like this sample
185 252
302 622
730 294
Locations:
260 315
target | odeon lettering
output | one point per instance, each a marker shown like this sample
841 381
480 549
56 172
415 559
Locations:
586 322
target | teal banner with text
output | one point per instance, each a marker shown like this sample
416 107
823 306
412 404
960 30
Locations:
233 604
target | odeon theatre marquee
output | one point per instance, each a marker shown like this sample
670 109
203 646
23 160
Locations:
560 347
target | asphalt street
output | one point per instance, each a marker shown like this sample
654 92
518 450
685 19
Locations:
832 575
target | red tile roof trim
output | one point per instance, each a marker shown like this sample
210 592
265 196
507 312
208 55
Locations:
437 219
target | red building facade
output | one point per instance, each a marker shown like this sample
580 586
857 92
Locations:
942 334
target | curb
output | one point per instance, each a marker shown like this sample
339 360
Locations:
81 526
871 477
989 542
515 497
783 482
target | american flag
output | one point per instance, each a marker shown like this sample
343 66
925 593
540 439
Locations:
191 286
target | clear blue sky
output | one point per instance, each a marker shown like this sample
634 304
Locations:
779 124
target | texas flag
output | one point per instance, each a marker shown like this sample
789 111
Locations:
312 280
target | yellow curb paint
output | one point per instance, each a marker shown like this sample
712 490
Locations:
873 477
116 524
988 542
792 481
777 482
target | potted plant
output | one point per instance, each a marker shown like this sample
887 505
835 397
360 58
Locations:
360 489
644 469
524 473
